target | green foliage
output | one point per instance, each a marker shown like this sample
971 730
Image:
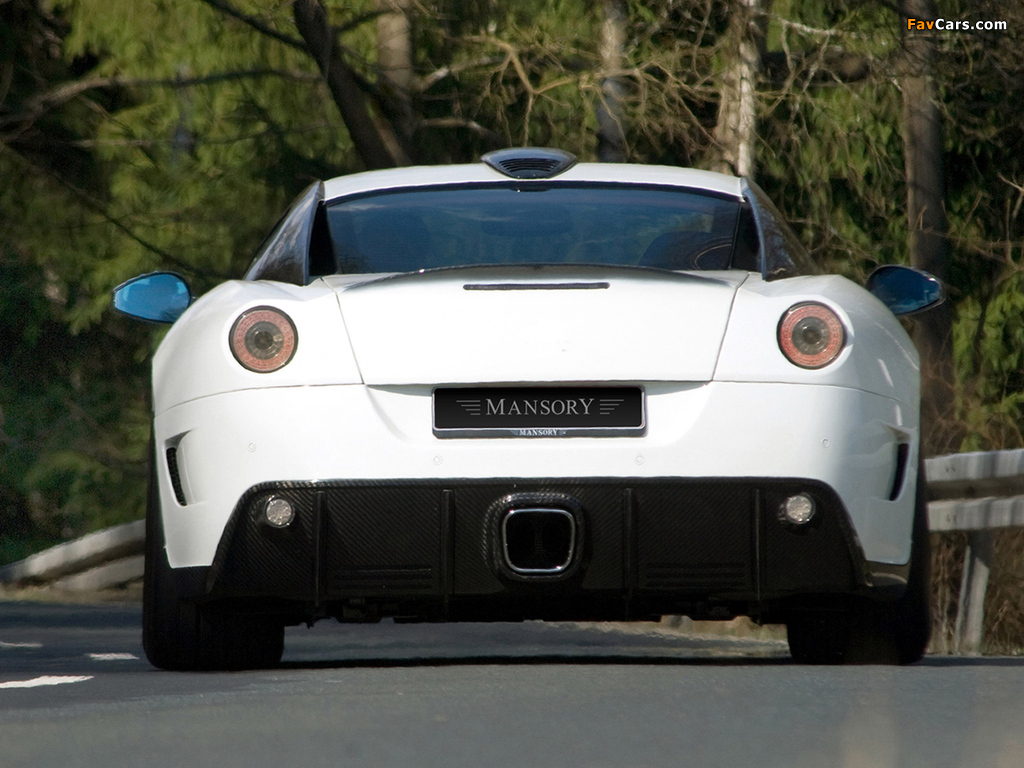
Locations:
185 161
830 151
185 132
831 154
989 344
154 167
981 85
74 413
519 71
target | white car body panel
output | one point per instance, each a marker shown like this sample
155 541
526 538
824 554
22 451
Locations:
430 328
355 401
879 356
198 344
231 442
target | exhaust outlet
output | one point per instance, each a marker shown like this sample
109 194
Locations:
538 541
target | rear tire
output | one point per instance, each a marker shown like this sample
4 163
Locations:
874 632
183 634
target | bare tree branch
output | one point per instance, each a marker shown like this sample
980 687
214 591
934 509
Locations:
225 7
356 21
457 122
428 81
514 59
68 91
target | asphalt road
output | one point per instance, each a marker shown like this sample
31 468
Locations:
75 691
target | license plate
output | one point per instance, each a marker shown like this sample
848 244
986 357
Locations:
539 412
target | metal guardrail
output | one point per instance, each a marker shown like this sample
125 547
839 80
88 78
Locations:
976 491
980 493
101 560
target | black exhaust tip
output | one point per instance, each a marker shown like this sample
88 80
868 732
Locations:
538 541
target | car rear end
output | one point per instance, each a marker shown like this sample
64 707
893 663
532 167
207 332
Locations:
548 450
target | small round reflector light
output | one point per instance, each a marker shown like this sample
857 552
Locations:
263 339
798 509
811 335
279 512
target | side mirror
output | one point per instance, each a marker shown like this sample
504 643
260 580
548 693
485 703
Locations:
159 297
904 290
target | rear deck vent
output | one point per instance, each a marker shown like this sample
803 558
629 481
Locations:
172 468
530 162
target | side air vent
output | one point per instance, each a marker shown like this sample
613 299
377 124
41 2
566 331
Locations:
530 162
902 451
172 468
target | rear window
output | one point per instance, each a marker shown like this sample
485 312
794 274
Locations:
428 228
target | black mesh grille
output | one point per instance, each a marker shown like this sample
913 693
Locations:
513 167
530 163
695 537
380 540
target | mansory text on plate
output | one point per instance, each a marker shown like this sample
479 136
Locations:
532 388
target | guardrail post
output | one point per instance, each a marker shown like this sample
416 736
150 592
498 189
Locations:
970 614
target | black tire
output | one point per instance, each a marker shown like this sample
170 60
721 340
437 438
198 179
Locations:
181 634
869 631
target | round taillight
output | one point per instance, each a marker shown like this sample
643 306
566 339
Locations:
263 339
811 335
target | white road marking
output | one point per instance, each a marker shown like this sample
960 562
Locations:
112 656
39 681
20 645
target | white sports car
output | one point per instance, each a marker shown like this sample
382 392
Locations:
534 389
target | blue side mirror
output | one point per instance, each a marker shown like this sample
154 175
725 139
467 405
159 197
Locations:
904 290
160 297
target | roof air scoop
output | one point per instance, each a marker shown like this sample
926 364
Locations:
530 162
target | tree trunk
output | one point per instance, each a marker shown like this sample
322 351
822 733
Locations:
611 135
373 138
929 248
743 48
394 59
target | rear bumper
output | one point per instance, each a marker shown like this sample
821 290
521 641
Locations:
435 550
846 439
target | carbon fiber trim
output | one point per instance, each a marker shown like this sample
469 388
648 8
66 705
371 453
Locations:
254 558
698 540
379 543
817 554
433 549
